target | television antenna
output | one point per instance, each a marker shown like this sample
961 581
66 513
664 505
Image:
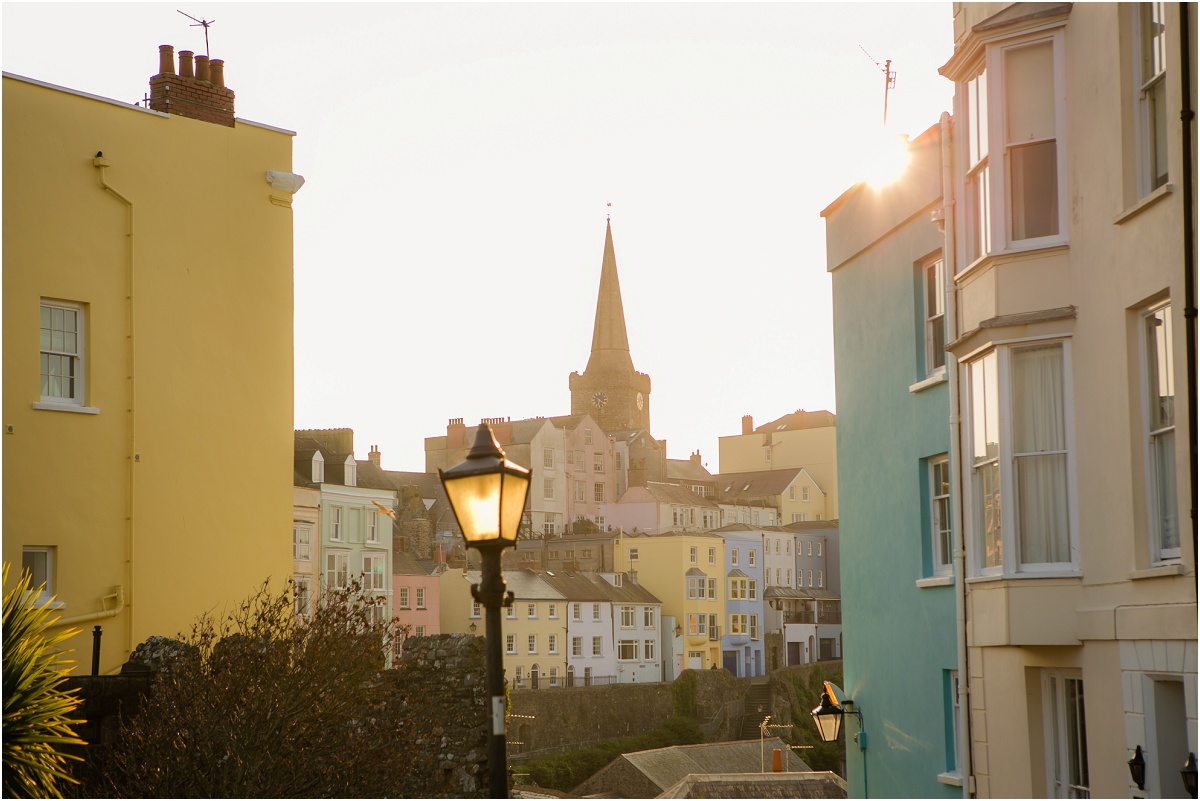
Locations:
889 79
204 23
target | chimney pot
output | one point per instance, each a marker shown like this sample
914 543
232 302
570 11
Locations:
185 64
747 424
202 72
216 68
166 59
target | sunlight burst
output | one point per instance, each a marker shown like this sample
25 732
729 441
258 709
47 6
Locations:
887 161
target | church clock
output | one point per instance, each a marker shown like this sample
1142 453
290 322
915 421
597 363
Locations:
599 399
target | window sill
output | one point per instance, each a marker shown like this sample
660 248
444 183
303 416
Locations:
935 581
938 377
1056 574
950 777
48 406
1156 572
1143 204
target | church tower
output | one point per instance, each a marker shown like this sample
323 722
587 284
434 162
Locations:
615 394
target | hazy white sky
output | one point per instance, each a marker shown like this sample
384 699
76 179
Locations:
459 159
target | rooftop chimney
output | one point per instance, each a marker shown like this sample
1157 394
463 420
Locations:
747 424
696 457
375 456
202 96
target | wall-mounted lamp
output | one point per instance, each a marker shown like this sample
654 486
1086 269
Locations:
1188 774
678 630
828 716
1137 768
473 628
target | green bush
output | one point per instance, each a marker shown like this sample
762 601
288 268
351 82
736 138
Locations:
822 755
683 694
569 769
37 722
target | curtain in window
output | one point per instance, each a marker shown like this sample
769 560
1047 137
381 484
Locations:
1040 454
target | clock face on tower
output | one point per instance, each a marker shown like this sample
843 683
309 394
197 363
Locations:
641 402
599 399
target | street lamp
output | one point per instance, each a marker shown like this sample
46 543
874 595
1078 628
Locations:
828 717
487 493
1137 768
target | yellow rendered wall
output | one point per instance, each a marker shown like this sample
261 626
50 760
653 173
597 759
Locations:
814 449
212 404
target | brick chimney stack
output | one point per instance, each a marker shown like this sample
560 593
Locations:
747 424
202 96
375 456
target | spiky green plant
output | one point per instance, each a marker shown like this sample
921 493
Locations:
37 713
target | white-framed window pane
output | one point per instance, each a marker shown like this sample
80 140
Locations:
1039 454
301 594
1160 417
935 328
420 593
1033 172
1066 736
60 358
548 488
1030 134
648 649
939 514
1152 90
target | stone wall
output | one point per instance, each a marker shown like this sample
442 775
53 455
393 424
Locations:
441 698
576 717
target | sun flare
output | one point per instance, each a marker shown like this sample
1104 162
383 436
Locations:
887 161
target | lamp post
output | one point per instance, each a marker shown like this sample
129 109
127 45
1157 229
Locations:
487 493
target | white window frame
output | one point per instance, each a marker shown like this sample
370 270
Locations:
372 529
404 597
532 643
633 554
531 611
598 492
74 357
548 458
1009 565
712 552
648 617
581 491
548 489
351 472
1149 83
933 285
335 524
476 609
552 643
628 617
733 557
552 612
301 543
693 554
648 650
419 631
597 646
337 569
752 557
318 468
1057 716
510 643
48 553
577 646
989 224
941 536
373 580
420 599
596 618
1157 352
301 594
627 650
577 611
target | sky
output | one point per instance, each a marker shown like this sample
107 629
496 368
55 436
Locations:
461 159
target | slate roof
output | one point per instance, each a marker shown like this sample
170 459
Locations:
666 766
688 470
327 441
813 784
810 525
576 586
759 484
798 420
405 564
673 493
524 584
669 533
805 594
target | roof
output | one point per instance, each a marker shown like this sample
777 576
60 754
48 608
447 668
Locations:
610 341
673 493
810 526
807 594
655 535
524 584
808 784
405 564
666 766
756 484
687 470
799 420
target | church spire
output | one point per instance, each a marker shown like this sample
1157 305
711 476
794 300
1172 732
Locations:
610 341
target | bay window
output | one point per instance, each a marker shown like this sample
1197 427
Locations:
1014 169
1018 460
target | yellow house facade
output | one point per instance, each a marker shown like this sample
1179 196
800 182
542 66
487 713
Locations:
147 395
686 571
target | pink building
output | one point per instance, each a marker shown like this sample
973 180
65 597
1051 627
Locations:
415 596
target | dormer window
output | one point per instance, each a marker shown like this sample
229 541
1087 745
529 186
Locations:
318 468
351 471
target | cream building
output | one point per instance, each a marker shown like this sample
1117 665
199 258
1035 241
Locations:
798 439
1067 254
148 269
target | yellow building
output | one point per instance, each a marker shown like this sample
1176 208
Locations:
686 571
148 269
798 439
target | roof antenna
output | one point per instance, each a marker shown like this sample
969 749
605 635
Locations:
889 79
204 23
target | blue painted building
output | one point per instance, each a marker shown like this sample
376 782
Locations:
884 250
742 634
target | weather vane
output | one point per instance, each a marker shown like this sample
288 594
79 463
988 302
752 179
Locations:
610 206
889 79
204 23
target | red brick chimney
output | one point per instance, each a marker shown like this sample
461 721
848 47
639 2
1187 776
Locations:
456 433
747 424
375 456
203 96
696 458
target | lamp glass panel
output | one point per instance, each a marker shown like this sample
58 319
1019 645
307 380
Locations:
829 724
512 501
476 503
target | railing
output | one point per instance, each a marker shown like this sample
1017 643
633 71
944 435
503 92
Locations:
525 683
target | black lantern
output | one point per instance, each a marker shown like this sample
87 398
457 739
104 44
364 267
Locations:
1188 774
487 493
1137 768
828 716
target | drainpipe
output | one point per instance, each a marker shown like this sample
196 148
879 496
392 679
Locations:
1188 115
132 456
962 725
